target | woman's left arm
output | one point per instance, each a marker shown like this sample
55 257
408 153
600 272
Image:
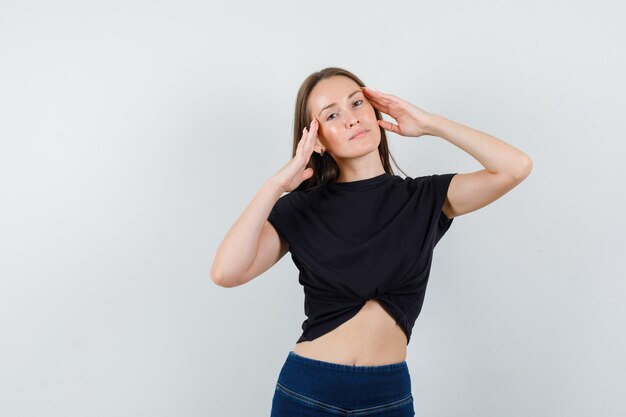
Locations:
505 166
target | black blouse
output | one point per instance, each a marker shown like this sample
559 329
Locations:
354 241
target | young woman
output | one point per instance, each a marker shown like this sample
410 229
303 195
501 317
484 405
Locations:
362 239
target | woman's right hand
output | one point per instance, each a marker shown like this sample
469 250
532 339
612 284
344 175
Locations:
295 171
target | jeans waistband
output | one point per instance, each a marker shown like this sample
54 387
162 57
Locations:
398 367
345 385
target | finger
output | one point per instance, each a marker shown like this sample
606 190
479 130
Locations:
375 93
309 142
380 96
369 90
374 100
380 103
385 100
306 174
313 138
388 126
304 141
302 150
380 106
301 142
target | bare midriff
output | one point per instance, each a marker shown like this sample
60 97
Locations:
370 338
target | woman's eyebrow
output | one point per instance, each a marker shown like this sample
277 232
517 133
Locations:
334 104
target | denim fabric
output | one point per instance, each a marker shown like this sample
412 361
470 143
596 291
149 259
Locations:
312 388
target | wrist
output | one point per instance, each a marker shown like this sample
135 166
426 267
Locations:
433 124
273 184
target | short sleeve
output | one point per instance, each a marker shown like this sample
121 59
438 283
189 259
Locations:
441 184
282 216
275 216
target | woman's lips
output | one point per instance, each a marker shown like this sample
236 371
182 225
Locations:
360 135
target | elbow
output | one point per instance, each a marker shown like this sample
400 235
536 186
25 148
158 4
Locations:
218 277
524 169
221 279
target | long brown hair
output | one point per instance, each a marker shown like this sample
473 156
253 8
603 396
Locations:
325 169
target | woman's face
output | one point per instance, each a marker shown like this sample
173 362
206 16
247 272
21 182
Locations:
342 110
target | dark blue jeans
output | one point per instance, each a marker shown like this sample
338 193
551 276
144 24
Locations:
312 388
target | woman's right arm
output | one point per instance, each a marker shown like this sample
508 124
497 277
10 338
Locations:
252 245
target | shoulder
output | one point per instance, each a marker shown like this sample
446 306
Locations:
431 178
294 197
431 181
294 200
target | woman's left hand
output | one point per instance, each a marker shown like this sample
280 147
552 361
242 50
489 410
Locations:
412 121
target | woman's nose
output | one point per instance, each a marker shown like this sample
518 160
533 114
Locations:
351 119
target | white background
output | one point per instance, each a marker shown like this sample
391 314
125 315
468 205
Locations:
134 133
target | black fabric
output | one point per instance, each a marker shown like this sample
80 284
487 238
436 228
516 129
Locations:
354 241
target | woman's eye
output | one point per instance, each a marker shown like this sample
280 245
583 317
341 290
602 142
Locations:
328 118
